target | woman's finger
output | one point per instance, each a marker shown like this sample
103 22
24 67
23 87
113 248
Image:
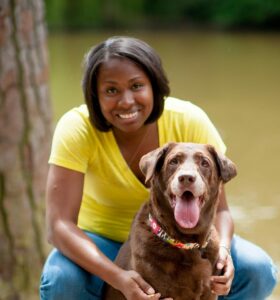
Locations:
223 256
220 289
145 287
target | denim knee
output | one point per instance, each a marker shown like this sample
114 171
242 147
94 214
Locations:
261 275
63 280
255 274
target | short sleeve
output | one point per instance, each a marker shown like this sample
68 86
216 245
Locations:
201 129
71 143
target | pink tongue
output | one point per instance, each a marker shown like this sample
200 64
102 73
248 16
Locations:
187 212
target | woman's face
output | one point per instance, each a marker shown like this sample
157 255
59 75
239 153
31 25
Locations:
125 94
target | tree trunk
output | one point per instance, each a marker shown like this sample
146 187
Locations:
25 130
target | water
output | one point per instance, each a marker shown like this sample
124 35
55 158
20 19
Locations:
235 78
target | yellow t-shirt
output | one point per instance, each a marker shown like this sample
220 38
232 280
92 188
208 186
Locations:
112 193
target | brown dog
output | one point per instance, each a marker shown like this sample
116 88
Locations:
173 243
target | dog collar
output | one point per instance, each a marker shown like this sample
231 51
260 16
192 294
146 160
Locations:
158 231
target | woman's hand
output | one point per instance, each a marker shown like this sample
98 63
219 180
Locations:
221 284
134 287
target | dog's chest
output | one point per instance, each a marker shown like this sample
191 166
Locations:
171 261
184 274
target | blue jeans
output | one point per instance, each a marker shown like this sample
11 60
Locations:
255 274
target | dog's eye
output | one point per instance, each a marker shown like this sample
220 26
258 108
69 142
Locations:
174 161
205 163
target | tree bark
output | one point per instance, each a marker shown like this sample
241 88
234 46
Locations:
25 132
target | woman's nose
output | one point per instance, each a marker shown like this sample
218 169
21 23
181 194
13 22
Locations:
126 99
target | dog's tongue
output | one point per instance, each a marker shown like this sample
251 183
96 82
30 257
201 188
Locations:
187 212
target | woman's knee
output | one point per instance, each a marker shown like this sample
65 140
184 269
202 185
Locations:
262 274
62 279
255 270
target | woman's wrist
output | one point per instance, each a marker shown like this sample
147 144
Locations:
224 246
115 277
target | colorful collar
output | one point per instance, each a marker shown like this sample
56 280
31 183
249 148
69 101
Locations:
157 230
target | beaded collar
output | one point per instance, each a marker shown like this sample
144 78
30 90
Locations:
158 231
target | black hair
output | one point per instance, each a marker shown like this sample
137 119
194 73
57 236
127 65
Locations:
141 54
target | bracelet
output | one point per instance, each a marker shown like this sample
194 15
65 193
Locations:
227 249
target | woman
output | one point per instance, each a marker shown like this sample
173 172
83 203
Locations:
95 185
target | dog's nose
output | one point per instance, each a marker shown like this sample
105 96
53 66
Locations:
186 178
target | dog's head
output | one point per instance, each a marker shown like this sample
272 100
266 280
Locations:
185 180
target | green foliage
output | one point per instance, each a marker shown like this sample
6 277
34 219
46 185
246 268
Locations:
73 14
253 13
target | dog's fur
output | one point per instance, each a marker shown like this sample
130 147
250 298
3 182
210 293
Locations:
178 173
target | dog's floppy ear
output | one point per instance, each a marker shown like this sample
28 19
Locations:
227 169
153 160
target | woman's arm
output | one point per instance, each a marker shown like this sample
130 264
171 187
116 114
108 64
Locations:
64 195
224 224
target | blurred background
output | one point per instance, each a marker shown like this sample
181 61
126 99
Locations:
222 55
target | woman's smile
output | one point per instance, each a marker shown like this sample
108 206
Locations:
128 116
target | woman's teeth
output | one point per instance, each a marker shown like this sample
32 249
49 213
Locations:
128 116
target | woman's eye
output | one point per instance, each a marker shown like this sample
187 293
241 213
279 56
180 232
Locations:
137 86
205 163
111 91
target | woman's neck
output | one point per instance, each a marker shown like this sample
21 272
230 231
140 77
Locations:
133 145
130 138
